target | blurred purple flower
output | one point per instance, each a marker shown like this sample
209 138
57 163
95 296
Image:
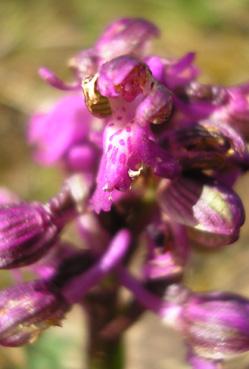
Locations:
54 133
216 325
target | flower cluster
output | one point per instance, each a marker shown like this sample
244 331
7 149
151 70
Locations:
150 157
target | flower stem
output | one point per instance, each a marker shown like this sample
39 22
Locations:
103 352
109 355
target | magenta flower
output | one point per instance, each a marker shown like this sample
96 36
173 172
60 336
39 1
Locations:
128 142
152 157
54 133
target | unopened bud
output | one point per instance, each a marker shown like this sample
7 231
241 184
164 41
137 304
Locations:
216 325
26 310
27 231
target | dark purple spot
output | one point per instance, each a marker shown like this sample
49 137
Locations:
122 158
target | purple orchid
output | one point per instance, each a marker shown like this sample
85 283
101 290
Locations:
152 156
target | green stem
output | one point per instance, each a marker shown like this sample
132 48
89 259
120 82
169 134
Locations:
103 352
109 355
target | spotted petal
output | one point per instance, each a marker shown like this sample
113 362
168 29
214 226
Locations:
124 76
126 150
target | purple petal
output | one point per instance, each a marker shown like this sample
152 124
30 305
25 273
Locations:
82 158
236 111
56 82
157 67
124 76
157 106
125 36
126 150
53 133
192 111
84 63
181 72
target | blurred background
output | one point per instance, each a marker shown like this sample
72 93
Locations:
48 32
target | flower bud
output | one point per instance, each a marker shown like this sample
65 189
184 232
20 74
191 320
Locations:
203 206
26 310
27 231
216 325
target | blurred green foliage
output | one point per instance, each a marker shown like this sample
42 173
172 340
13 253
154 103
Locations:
49 352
